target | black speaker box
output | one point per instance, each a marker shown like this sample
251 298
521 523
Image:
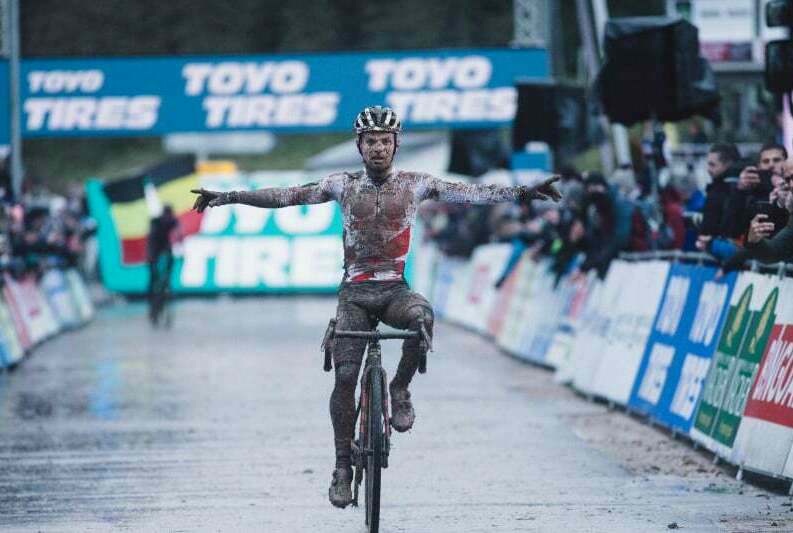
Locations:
653 70
551 113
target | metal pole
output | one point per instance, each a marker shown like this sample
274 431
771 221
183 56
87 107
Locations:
593 64
621 144
16 130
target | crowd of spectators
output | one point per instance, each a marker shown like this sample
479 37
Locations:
740 215
42 230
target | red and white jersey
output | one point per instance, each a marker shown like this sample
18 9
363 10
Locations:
378 215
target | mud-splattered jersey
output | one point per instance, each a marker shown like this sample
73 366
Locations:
378 215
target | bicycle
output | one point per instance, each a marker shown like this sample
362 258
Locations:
160 293
371 449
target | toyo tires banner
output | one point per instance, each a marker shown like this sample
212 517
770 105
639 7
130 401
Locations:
233 248
455 88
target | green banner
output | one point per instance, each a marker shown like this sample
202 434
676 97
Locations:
723 362
735 365
746 365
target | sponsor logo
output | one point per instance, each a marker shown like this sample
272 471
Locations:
711 302
232 251
771 397
655 375
234 94
252 261
55 112
674 302
433 89
734 333
692 375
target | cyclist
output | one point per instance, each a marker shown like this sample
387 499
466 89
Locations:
379 206
163 230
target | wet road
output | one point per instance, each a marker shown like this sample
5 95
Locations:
221 424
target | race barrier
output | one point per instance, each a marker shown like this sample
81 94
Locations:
704 354
34 310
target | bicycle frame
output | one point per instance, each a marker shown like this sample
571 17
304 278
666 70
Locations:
362 450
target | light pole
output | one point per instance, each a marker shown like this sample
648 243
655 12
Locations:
11 51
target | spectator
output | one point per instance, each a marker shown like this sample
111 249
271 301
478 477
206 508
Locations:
755 184
611 225
759 242
721 160
694 203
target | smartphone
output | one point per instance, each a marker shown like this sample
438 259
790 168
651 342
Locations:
763 208
765 179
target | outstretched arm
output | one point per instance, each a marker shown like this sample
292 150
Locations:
477 193
310 193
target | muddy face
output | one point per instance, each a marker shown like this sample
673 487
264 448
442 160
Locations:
377 150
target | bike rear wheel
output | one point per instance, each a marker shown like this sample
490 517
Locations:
374 449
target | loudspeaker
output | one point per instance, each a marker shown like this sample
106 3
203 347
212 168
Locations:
653 71
552 113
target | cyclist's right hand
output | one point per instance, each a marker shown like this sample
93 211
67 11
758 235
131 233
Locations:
205 199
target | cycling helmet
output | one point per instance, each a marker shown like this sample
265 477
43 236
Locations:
377 118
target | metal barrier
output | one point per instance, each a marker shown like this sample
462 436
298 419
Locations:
702 258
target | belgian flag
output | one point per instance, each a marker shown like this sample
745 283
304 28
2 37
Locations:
136 199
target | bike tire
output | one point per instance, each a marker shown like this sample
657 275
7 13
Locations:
374 460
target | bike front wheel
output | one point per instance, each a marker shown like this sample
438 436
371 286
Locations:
374 449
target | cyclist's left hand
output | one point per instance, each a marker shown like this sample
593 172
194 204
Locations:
205 199
546 190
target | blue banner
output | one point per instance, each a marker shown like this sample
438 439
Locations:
296 93
679 351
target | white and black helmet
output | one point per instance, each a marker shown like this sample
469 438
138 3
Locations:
377 118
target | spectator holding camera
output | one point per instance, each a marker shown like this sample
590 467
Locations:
752 193
759 245
766 240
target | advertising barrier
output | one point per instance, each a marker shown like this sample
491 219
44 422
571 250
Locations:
450 273
683 339
31 308
515 321
560 350
502 303
486 265
765 434
632 316
80 295
749 323
704 354
59 295
592 340
11 351
540 316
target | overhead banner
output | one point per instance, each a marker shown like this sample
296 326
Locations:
679 351
749 323
455 88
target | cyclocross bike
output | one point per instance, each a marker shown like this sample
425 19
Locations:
370 450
